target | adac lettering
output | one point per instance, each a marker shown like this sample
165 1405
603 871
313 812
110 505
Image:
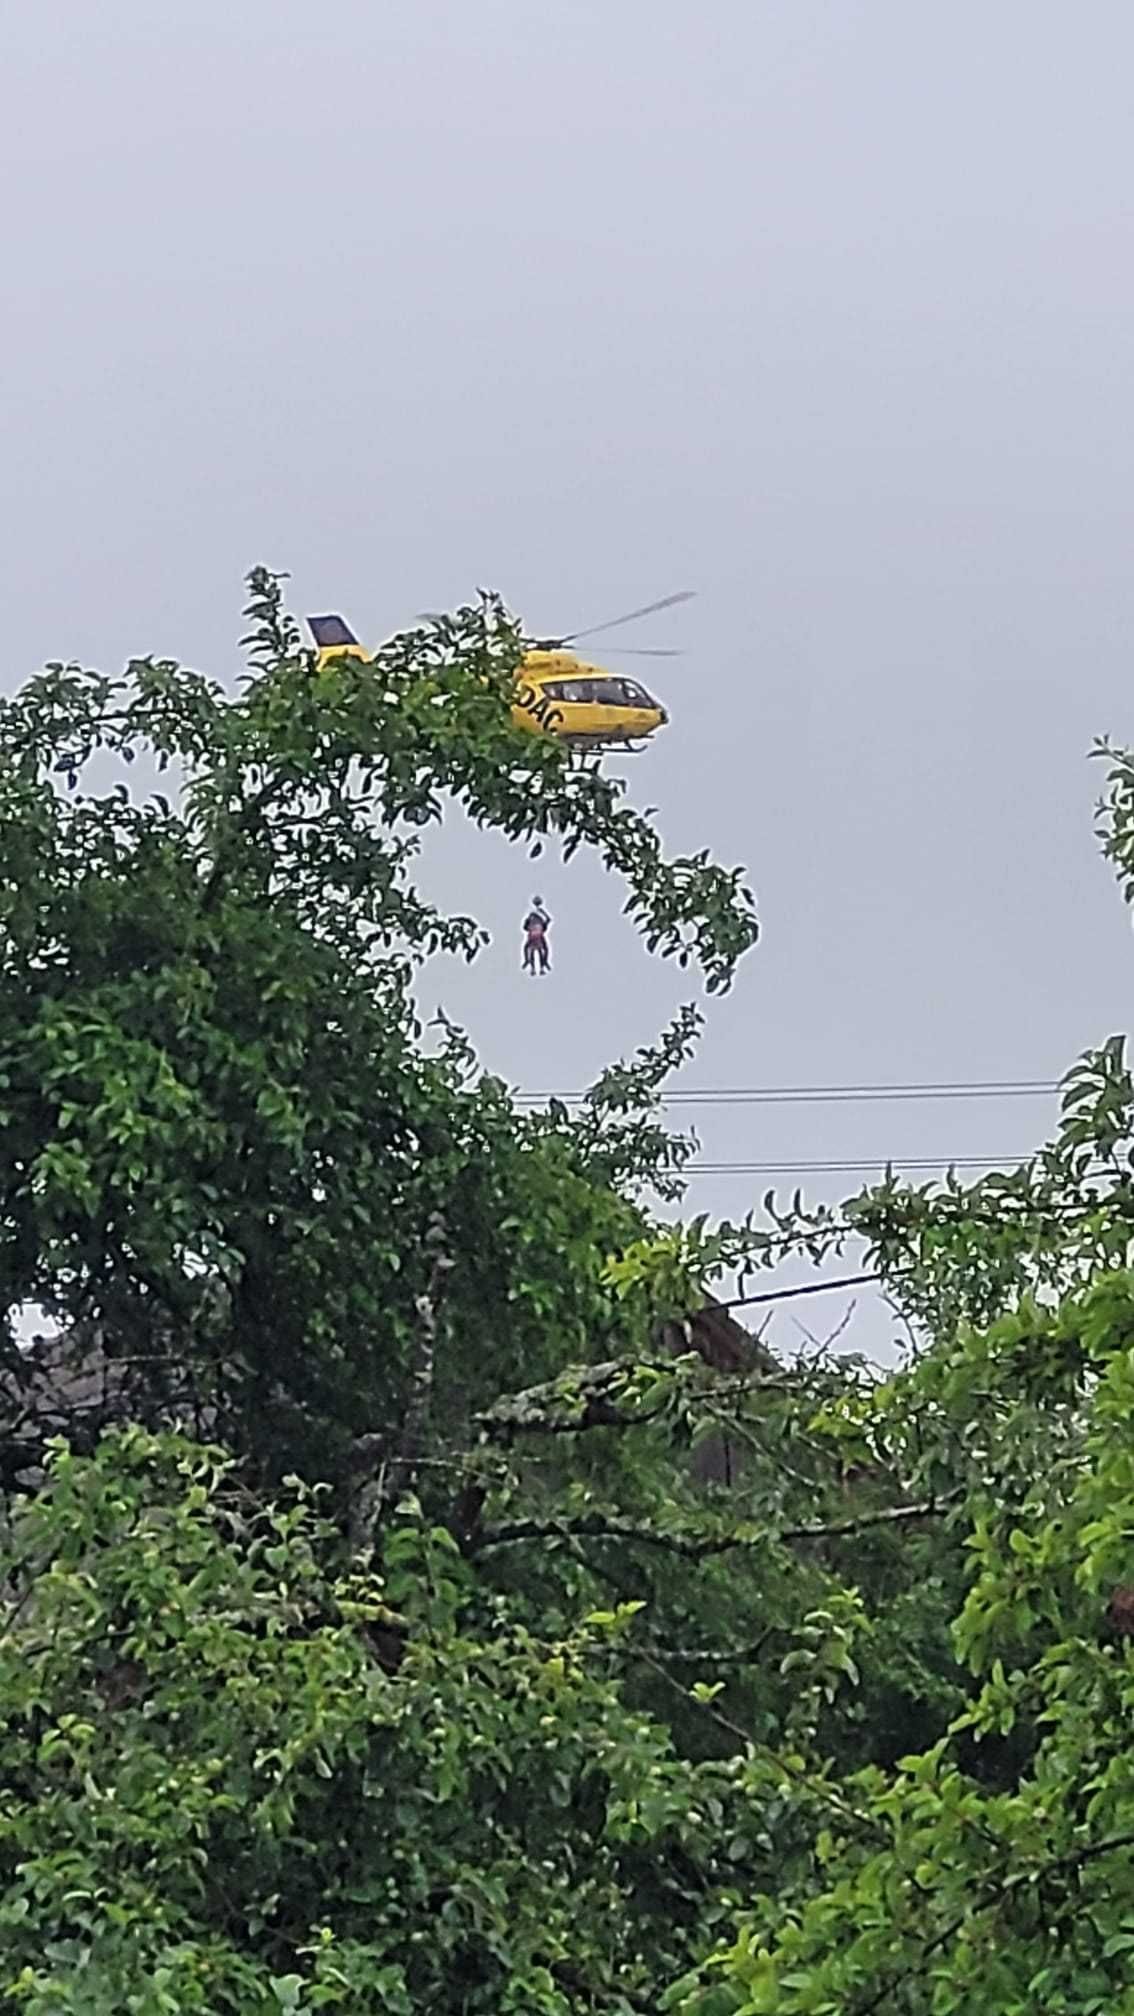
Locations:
539 706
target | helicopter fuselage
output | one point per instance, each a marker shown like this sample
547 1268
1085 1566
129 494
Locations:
557 693
584 705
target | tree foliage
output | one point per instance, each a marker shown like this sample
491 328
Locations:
220 1139
370 1638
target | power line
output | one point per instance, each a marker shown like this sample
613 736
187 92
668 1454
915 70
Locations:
841 1168
754 1095
791 1294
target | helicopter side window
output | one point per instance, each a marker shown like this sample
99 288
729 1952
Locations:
636 695
606 692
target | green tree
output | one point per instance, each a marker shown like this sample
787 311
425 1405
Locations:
370 1641
224 1153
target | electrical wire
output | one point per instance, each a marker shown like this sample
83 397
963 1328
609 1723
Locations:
753 1095
841 1168
792 1294
785 1095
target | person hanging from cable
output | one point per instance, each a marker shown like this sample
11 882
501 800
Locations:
537 924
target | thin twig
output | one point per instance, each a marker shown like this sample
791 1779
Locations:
797 1774
825 1343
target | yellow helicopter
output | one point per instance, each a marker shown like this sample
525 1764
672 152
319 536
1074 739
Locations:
557 692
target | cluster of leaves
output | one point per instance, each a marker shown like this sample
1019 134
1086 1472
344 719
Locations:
990 1870
451 1684
220 1792
243 1773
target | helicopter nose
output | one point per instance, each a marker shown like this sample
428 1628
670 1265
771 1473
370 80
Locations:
663 717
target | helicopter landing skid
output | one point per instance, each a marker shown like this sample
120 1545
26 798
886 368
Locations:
603 745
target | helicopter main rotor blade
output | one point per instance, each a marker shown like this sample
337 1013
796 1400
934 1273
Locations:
639 651
632 615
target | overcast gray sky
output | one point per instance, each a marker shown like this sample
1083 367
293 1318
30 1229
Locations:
821 309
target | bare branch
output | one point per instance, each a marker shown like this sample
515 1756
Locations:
708 1655
699 1547
421 1371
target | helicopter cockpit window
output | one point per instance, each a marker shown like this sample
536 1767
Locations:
606 692
597 692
